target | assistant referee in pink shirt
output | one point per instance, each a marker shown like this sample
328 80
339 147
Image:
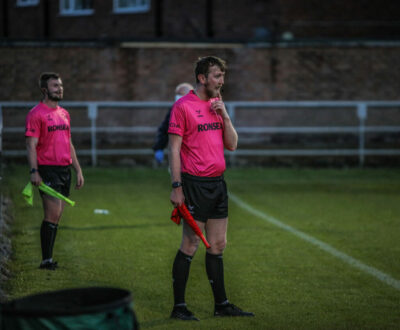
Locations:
50 155
199 130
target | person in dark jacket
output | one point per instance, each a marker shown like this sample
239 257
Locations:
162 131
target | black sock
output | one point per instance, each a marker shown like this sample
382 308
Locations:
180 274
53 237
48 232
215 272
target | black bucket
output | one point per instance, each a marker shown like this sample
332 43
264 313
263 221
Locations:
84 308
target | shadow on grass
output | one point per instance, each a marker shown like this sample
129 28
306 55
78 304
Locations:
116 227
107 227
156 323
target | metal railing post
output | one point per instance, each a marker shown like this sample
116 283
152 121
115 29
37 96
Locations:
231 112
362 114
92 114
1 156
1 130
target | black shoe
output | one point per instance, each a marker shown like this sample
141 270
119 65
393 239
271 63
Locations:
49 265
182 313
230 310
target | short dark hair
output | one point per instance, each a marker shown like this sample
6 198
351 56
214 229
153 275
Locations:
204 64
45 77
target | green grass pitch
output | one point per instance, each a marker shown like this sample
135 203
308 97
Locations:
286 281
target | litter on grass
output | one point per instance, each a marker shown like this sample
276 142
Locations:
101 211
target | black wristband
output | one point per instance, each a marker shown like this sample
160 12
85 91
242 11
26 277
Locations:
33 170
176 184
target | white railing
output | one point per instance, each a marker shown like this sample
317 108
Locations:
360 107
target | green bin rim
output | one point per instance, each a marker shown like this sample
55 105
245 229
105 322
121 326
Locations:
26 307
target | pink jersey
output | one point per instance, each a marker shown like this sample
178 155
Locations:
52 128
202 150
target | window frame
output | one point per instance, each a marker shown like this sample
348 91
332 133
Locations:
74 12
27 3
131 10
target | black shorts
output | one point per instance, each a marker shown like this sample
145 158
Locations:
56 177
205 197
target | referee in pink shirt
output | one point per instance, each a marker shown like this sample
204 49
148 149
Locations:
199 131
50 155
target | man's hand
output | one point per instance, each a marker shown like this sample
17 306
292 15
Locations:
177 198
36 178
79 180
219 107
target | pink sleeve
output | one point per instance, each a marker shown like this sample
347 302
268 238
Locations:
32 125
177 121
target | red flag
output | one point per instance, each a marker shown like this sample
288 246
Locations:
175 216
182 212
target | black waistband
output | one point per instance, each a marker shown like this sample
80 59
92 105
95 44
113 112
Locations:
187 176
54 167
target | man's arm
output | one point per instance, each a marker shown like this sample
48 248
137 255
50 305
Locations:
31 143
175 141
75 164
230 134
162 133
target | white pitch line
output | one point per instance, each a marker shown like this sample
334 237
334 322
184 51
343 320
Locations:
385 278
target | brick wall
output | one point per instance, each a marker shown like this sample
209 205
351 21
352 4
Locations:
340 18
25 22
103 24
241 20
208 19
108 73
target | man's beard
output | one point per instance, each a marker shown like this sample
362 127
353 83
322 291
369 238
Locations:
211 93
54 97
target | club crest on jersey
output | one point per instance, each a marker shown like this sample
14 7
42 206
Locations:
199 113
49 118
191 208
